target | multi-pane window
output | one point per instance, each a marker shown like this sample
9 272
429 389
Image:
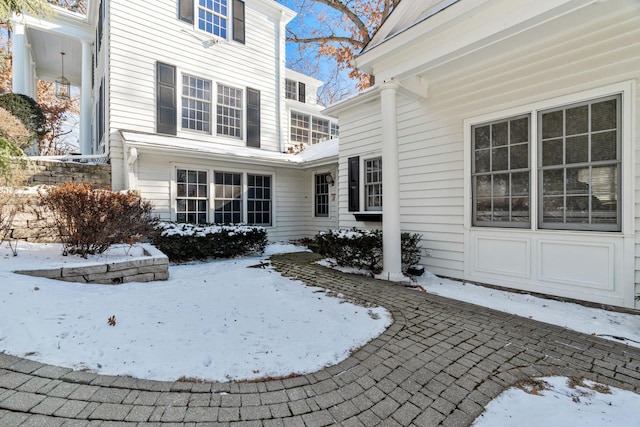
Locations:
309 129
373 184
258 199
335 129
229 111
319 130
578 174
227 198
192 196
579 166
322 195
500 174
299 127
212 17
291 89
196 103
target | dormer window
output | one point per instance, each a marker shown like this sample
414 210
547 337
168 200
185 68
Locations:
219 18
295 90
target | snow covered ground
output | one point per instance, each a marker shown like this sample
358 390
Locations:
217 321
223 321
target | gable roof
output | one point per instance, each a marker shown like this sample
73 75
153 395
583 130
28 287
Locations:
405 15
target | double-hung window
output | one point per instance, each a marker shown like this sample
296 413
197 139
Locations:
307 129
373 184
229 111
322 195
579 166
500 173
213 17
220 18
228 198
320 130
299 127
258 199
577 177
196 103
192 196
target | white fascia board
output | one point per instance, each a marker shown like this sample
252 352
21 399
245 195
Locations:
462 28
180 147
275 9
369 95
300 77
64 23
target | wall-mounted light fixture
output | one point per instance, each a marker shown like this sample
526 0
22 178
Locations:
330 179
63 87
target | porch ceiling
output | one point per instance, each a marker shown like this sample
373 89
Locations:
47 39
46 48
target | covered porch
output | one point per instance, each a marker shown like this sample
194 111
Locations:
37 47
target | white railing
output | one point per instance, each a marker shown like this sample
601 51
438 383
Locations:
77 158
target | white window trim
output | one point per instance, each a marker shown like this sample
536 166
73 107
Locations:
173 189
627 92
313 191
214 119
213 91
361 183
213 37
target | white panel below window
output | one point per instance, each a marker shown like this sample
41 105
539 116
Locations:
582 264
503 256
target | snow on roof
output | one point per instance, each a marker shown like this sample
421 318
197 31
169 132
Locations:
315 152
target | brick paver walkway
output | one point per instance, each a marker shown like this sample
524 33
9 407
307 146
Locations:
438 364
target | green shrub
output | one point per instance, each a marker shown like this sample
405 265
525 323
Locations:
183 241
27 110
89 220
363 248
8 151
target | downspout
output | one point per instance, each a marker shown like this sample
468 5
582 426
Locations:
281 44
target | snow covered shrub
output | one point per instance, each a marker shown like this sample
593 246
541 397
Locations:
363 248
183 241
89 220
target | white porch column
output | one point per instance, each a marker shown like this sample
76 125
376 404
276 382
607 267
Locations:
391 257
20 60
85 99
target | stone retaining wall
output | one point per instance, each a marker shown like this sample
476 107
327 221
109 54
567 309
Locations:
43 172
31 223
153 266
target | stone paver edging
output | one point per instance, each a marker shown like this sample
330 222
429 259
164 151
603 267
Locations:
439 363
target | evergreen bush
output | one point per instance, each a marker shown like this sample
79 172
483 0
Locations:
363 248
27 110
184 241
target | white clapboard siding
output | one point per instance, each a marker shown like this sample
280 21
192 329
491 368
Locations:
290 197
135 48
522 71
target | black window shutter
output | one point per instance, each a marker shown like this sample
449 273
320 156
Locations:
185 10
238 21
302 92
253 118
166 98
354 183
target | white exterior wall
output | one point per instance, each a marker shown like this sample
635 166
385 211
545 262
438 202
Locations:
134 50
562 63
291 195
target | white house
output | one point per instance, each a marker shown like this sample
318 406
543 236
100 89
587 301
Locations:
506 133
191 103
